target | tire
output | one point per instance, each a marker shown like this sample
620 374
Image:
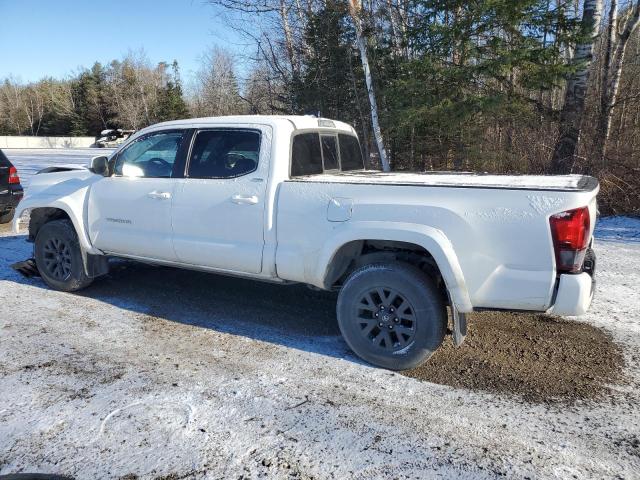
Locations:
7 216
410 327
59 258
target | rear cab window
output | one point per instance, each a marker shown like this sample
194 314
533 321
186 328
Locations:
314 153
330 158
350 153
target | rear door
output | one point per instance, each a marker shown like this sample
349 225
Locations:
218 209
130 212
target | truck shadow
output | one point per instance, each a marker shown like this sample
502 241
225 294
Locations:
290 315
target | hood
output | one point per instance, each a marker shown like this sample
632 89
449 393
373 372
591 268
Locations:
61 183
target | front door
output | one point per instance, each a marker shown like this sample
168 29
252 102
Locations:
130 212
218 208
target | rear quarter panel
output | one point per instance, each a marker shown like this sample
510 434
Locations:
500 237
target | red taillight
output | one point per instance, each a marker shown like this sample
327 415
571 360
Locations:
13 175
570 233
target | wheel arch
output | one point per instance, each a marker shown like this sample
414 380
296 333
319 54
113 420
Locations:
401 242
40 214
94 265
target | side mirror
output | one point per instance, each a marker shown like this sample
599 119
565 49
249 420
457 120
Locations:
100 165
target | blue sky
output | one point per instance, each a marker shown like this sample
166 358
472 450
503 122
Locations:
41 38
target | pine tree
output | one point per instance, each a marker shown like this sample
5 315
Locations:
171 104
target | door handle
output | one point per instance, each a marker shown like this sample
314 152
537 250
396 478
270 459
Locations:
159 195
244 200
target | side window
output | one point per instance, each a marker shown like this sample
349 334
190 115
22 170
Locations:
224 154
330 152
350 153
151 156
306 157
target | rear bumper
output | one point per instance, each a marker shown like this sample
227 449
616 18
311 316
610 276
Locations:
10 198
574 295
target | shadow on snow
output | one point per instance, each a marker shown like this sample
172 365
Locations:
289 315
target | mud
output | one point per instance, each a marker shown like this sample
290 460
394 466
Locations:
539 358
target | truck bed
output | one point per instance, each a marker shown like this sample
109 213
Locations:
562 183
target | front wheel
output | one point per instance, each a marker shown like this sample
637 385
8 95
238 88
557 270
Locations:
59 258
392 315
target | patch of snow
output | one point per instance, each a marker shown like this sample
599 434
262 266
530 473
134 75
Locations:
30 161
624 229
543 204
537 182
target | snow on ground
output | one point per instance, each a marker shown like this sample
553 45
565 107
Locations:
29 161
625 229
201 376
539 182
240 378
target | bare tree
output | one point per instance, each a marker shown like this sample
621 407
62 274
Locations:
355 9
11 95
572 112
614 53
263 92
133 86
216 90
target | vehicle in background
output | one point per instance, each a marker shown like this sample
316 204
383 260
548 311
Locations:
10 189
112 138
288 199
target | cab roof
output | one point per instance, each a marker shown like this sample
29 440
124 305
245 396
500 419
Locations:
299 122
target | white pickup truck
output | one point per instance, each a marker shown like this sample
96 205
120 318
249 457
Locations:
287 199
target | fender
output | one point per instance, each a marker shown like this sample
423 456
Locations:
431 239
73 204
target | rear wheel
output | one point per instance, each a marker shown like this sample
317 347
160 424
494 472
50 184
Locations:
392 315
59 258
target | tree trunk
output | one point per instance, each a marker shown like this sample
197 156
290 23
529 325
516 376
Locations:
355 8
288 38
398 33
612 71
573 108
607 53
365 140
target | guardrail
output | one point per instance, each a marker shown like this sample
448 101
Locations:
45 142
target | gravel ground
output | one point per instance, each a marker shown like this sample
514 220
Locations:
536 357
161 373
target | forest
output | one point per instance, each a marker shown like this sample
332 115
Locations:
506 86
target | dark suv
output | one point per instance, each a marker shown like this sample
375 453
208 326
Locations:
10 189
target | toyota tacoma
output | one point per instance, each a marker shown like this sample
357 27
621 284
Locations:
288 199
